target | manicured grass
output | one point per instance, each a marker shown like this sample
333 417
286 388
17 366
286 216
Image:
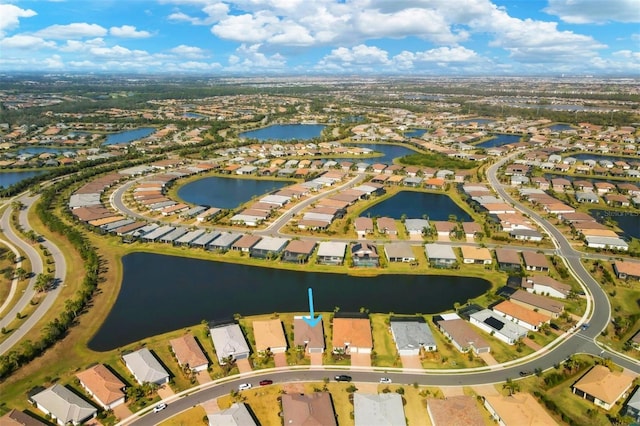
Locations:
447 356
190 417
386 354
263 401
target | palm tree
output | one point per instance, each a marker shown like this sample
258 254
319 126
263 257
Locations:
511 386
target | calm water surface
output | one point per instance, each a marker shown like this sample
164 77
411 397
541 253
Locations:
560 127
226 193
128 136
285 132
163 293
10 178
628 221
389 152
499 140
417 204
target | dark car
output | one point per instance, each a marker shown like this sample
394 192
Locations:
266 382
343 378
525 373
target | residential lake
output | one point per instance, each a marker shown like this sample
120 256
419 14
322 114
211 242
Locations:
480 121
415 204
226 193
499 140
285 132
415 133
10 178
128 136
390 152
596 157
628 221
560 127
162 293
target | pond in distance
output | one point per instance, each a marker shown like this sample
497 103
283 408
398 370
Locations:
415 205
128 136
285 132
226 193
162 293
11 178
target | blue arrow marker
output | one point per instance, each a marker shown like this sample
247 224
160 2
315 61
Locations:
311 320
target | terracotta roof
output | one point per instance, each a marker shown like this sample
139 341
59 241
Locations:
479 253
313 409
628 268
520 409
455 411
604 384
354 331
106 387
188 352
269 334
521 313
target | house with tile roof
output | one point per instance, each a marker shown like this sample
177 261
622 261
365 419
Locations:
103 386
229 342
269 336
461 410
308 409
189 353
311 339
602 386
518 409
352 335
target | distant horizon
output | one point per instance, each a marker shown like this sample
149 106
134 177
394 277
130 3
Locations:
322 37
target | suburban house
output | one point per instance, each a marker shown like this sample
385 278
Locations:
268 247
535 261
544 284
229 342
269 336
145 367
626 269
508 259
498 326
399 252
378 409
454 410
308 409
189 353
416 226
440 255
63 405
444 228
352 335
520 315
365 255
602 386
412 334
476 255
307 337
298 251
363 226
632 407
518 409
236 415
526 235
103 386
387 225
462 335
19 418
537 302
331 253
246 243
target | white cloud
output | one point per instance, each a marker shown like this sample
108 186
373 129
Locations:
191 52
248 28
128 31
591 11
358 55
54 62
10 17
29 42
249 59
72 31
447 55
213 11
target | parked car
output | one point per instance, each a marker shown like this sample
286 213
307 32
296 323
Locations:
385 380
525 373
266 382
343 378
159 407
244 386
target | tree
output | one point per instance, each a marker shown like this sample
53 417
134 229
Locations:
511 386
43 282
21 273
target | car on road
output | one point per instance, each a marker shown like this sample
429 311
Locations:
343 378
385 380
244 386
585 326
525 373
266 382
159 407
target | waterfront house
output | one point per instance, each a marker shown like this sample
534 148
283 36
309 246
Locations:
602 386
268 247
229 342
444 228
63 405
544 284
411 334
310 339
416 226
363 226
352 335
537 302
625 269
399 252
365 255
531 320
145 367
189 353
269 336
387 225
298 251
440 256
378 409
103 386
331 253
246 243
308 409
462 335
476 255
518 409
498 326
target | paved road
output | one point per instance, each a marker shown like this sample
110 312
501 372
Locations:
36 267
14 281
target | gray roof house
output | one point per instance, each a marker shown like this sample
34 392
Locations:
268 246
440 256
416 226
64 405
145 367
236 415
378 409
498 326
411 334
632 407
229 341
331 253
224 241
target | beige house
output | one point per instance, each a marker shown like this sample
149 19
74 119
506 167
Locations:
269 335
516 410
103 386
603 387
188 353
478 255
352 335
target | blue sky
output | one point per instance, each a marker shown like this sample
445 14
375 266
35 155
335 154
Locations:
322 37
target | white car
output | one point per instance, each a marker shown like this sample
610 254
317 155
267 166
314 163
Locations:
244 386
385 380
159 407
